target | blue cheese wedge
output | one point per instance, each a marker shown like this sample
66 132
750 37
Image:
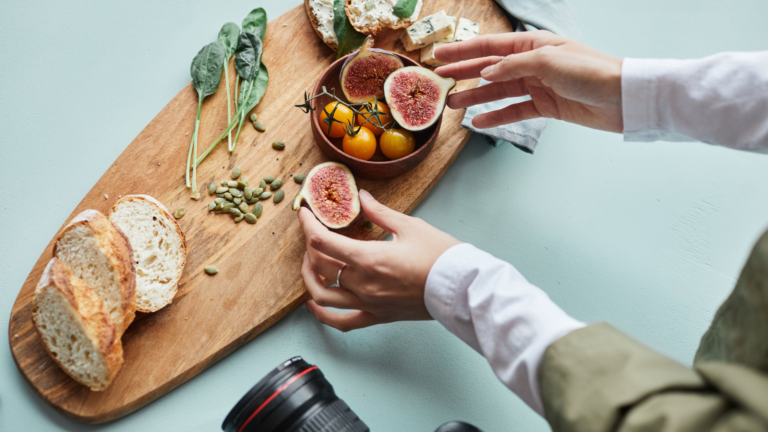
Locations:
467 30
428 30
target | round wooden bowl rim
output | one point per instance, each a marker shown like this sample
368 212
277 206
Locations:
316 122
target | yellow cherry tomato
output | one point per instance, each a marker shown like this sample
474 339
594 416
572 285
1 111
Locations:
383 119
362 145
397 143
343 114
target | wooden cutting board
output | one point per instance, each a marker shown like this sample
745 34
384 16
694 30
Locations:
259 280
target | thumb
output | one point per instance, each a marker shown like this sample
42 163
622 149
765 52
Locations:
383 216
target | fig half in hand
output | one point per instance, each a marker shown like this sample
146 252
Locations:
329 190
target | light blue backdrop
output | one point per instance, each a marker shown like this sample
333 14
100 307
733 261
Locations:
647 236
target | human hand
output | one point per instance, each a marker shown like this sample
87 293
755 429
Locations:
383 281
566 79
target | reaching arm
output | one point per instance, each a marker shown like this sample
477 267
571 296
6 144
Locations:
722 99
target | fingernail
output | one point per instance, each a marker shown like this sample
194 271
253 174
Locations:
365 195
487 71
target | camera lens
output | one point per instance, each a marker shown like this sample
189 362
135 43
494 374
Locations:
294 397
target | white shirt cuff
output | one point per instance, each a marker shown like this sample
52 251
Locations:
489 305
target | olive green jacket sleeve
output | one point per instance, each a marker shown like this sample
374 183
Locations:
599 379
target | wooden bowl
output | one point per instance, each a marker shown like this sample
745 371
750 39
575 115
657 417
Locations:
378 166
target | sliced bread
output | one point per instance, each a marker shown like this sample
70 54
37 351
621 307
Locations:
159 249
372 16
320 14
76 328
97 252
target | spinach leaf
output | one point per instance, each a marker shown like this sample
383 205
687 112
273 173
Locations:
206 69
248 56
206 76
405 8
228 37
348 38
256 22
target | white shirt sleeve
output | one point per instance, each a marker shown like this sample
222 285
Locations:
489 305
721 99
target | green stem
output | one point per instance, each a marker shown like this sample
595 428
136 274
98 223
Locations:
229 100
194 138
242 116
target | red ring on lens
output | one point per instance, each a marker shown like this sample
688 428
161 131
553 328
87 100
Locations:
274 395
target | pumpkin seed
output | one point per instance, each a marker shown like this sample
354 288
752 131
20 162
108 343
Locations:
237 201
257 209
218 207
250 218
368 226
279 195
235 211
221 190
278 145
236 192
243 208
180 213
225 183
212 188
269 179
259 126
253 117
275 185
211 270
258 191
265 195
239 218
244 179
263 184
221 201
232 184
195 196
228 196
299 178
211 205
236 172
241 184
221 195
226 207
248 193
253 200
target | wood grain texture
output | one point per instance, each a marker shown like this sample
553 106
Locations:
258 281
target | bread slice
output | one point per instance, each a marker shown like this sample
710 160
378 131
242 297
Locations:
76 328
97 252
320 14
379 16
159 249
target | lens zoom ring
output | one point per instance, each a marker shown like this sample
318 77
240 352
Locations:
336 417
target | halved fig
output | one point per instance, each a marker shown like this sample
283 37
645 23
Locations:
364 72
329 190
416 96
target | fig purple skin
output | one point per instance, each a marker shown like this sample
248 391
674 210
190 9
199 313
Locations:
416 96
329 190
363 73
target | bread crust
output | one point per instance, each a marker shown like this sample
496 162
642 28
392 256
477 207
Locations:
315 24
375 30
118 250
92 311
172 222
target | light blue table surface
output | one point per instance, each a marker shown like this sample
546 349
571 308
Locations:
649 237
